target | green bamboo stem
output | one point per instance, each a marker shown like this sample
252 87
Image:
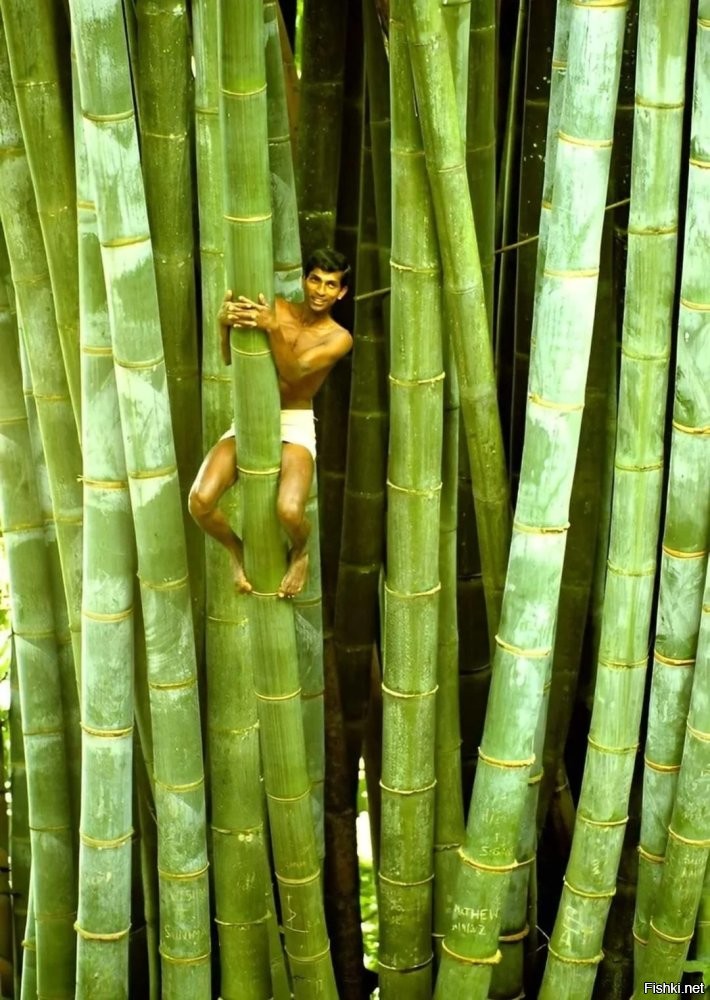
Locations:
286 239
104 911
110 132
681 885
464 291
638 477
145 817
20 850
480 136
378 98
411 595
323 36
702 950
524 644
247 210
457 22
164 84
38 674
35 41
18 214
686 531
28 989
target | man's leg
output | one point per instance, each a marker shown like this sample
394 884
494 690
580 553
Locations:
294 487
217 473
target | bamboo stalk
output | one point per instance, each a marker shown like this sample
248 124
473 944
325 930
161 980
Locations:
109 127
480 133
524 644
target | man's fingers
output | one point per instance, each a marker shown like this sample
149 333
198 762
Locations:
262 299
228 295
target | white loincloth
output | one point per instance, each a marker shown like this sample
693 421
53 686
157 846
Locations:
297 427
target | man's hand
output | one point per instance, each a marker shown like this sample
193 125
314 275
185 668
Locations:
250 315
225 320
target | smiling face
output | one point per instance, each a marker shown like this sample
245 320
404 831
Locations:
323 289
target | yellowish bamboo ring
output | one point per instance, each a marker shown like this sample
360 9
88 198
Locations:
640 101
237 832
34 634
654 467
106 734
119 116
677 554
184 684
634 355
508 764
577 272
654 859
29 945
226 621
189 786
599 3
550 404
696 161
176 960
687 841
11 421
263 593
578 140
289 798
139 365
700 431
469 960
670 937
183 876
481 866
248 219
163 584
429 491
93 936
661 768
603 823
163 472
409 968
312 695
703 22
703 737
408 791
104 484
639 573
15 529
278 697
568 960
309 958
535 779
107 616
439 377
693 307
622 664
405 694
273 471
670 661
512 938
306 880
49 829
617 750
240 923
248 354
68 519
637 937
607 894
406 268
48 918
528 654
405 885
541 529
414 594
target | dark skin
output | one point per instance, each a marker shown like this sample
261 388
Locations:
305 343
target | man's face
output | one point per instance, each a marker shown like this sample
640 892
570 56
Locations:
323 289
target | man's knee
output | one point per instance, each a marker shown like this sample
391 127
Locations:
199 502
290 510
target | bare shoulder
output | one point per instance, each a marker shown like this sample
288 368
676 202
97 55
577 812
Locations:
337 334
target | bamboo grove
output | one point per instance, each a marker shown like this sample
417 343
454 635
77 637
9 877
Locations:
503 642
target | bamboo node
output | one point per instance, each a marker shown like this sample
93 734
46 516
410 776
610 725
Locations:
394 380
189 786
409 968
654 467
241 923
108 734
107 617
507 764
48 829
247 219
226 621
173 685
32 635
692 307
164 584
528 654
414 595
121 116
654 859
677 554
249 354
105 844
658 105
183 876
577 272
661 768
406 695
308 958
634 573
551 405
670 661
273 471
16 529
603 823
95 936
540 529
482 866
307 880
164 472
470 960
637 937
43 731
263 593
696 161
579 140
512 938
622 664
176 960
105 484
670 937
688 841
118 244
278 697
606 894
415 492
703 22
606 749
237 832
535 779
568 960
408 791
243 93
698 734
96 352
288 798
406 885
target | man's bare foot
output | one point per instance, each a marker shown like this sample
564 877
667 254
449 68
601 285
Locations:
296 574
241 584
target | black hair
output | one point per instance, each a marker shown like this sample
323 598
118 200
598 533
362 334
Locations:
329 260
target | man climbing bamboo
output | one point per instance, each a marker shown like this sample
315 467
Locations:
305 343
